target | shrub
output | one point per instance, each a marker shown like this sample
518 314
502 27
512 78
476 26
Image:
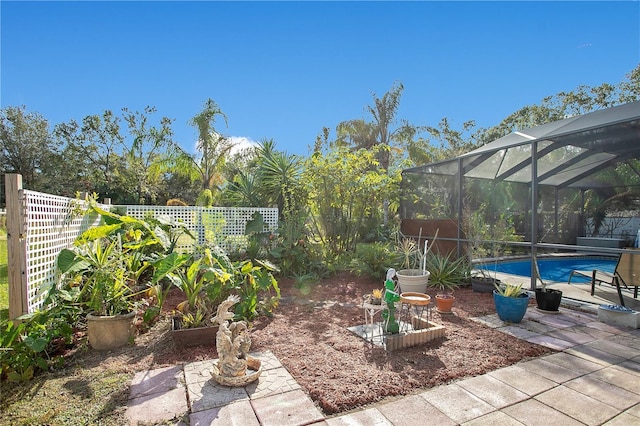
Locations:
373 260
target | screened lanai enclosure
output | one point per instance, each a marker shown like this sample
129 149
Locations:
532 191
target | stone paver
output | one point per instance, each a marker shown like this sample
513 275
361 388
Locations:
497 418
594 332
574 363
519 332
536 327
457 403
547 369
596 355
618 378
270 382
209 394
523 380
612 395
155 381
557 321
158 407
630 366
492 390
623 419
235 414
610 346
571 335
534 413
413 410
370 416
551 342
577 405
290 408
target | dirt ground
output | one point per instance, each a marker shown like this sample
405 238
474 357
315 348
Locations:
339 370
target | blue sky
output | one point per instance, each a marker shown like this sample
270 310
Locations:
285 70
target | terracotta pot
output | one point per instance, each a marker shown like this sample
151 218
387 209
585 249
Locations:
188 337
109 331
444 302
413 280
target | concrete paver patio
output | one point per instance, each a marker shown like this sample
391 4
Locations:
593 379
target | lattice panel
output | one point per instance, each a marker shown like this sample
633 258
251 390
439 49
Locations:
225 226
49 227
51 223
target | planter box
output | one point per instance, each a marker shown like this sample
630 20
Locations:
423 331
188 337
611 316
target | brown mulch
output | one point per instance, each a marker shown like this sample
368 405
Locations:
339 370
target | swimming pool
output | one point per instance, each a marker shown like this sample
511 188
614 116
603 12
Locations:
554 269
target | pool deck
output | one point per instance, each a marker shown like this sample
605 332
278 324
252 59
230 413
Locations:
578 295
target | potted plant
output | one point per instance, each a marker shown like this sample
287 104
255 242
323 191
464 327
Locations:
104 272
96 272
414 277
446 275
207 277
511 302
548 299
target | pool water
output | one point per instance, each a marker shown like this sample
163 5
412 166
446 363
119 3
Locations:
556 269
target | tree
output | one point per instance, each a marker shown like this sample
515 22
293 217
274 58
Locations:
143 158
27 147
213 148
95 147
346 189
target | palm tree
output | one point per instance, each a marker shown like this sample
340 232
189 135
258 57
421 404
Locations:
213 149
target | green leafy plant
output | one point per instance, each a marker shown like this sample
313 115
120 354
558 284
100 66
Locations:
447 273
373 260
29 344
509 290
207 277
111 263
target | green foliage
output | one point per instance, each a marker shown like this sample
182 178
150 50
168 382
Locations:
509 290
205 199
346 188
373 260
447 273
207 277
27 346
108 261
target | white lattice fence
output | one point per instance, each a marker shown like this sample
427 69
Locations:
224 226
49 226
40 225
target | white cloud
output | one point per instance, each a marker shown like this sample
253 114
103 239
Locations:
240 143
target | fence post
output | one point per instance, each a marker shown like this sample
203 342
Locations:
16 247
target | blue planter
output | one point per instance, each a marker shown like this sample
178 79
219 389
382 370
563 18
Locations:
511 309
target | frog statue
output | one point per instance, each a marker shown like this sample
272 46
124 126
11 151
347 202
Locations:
390 298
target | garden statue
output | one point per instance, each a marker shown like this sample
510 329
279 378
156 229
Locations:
390 298
232 344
